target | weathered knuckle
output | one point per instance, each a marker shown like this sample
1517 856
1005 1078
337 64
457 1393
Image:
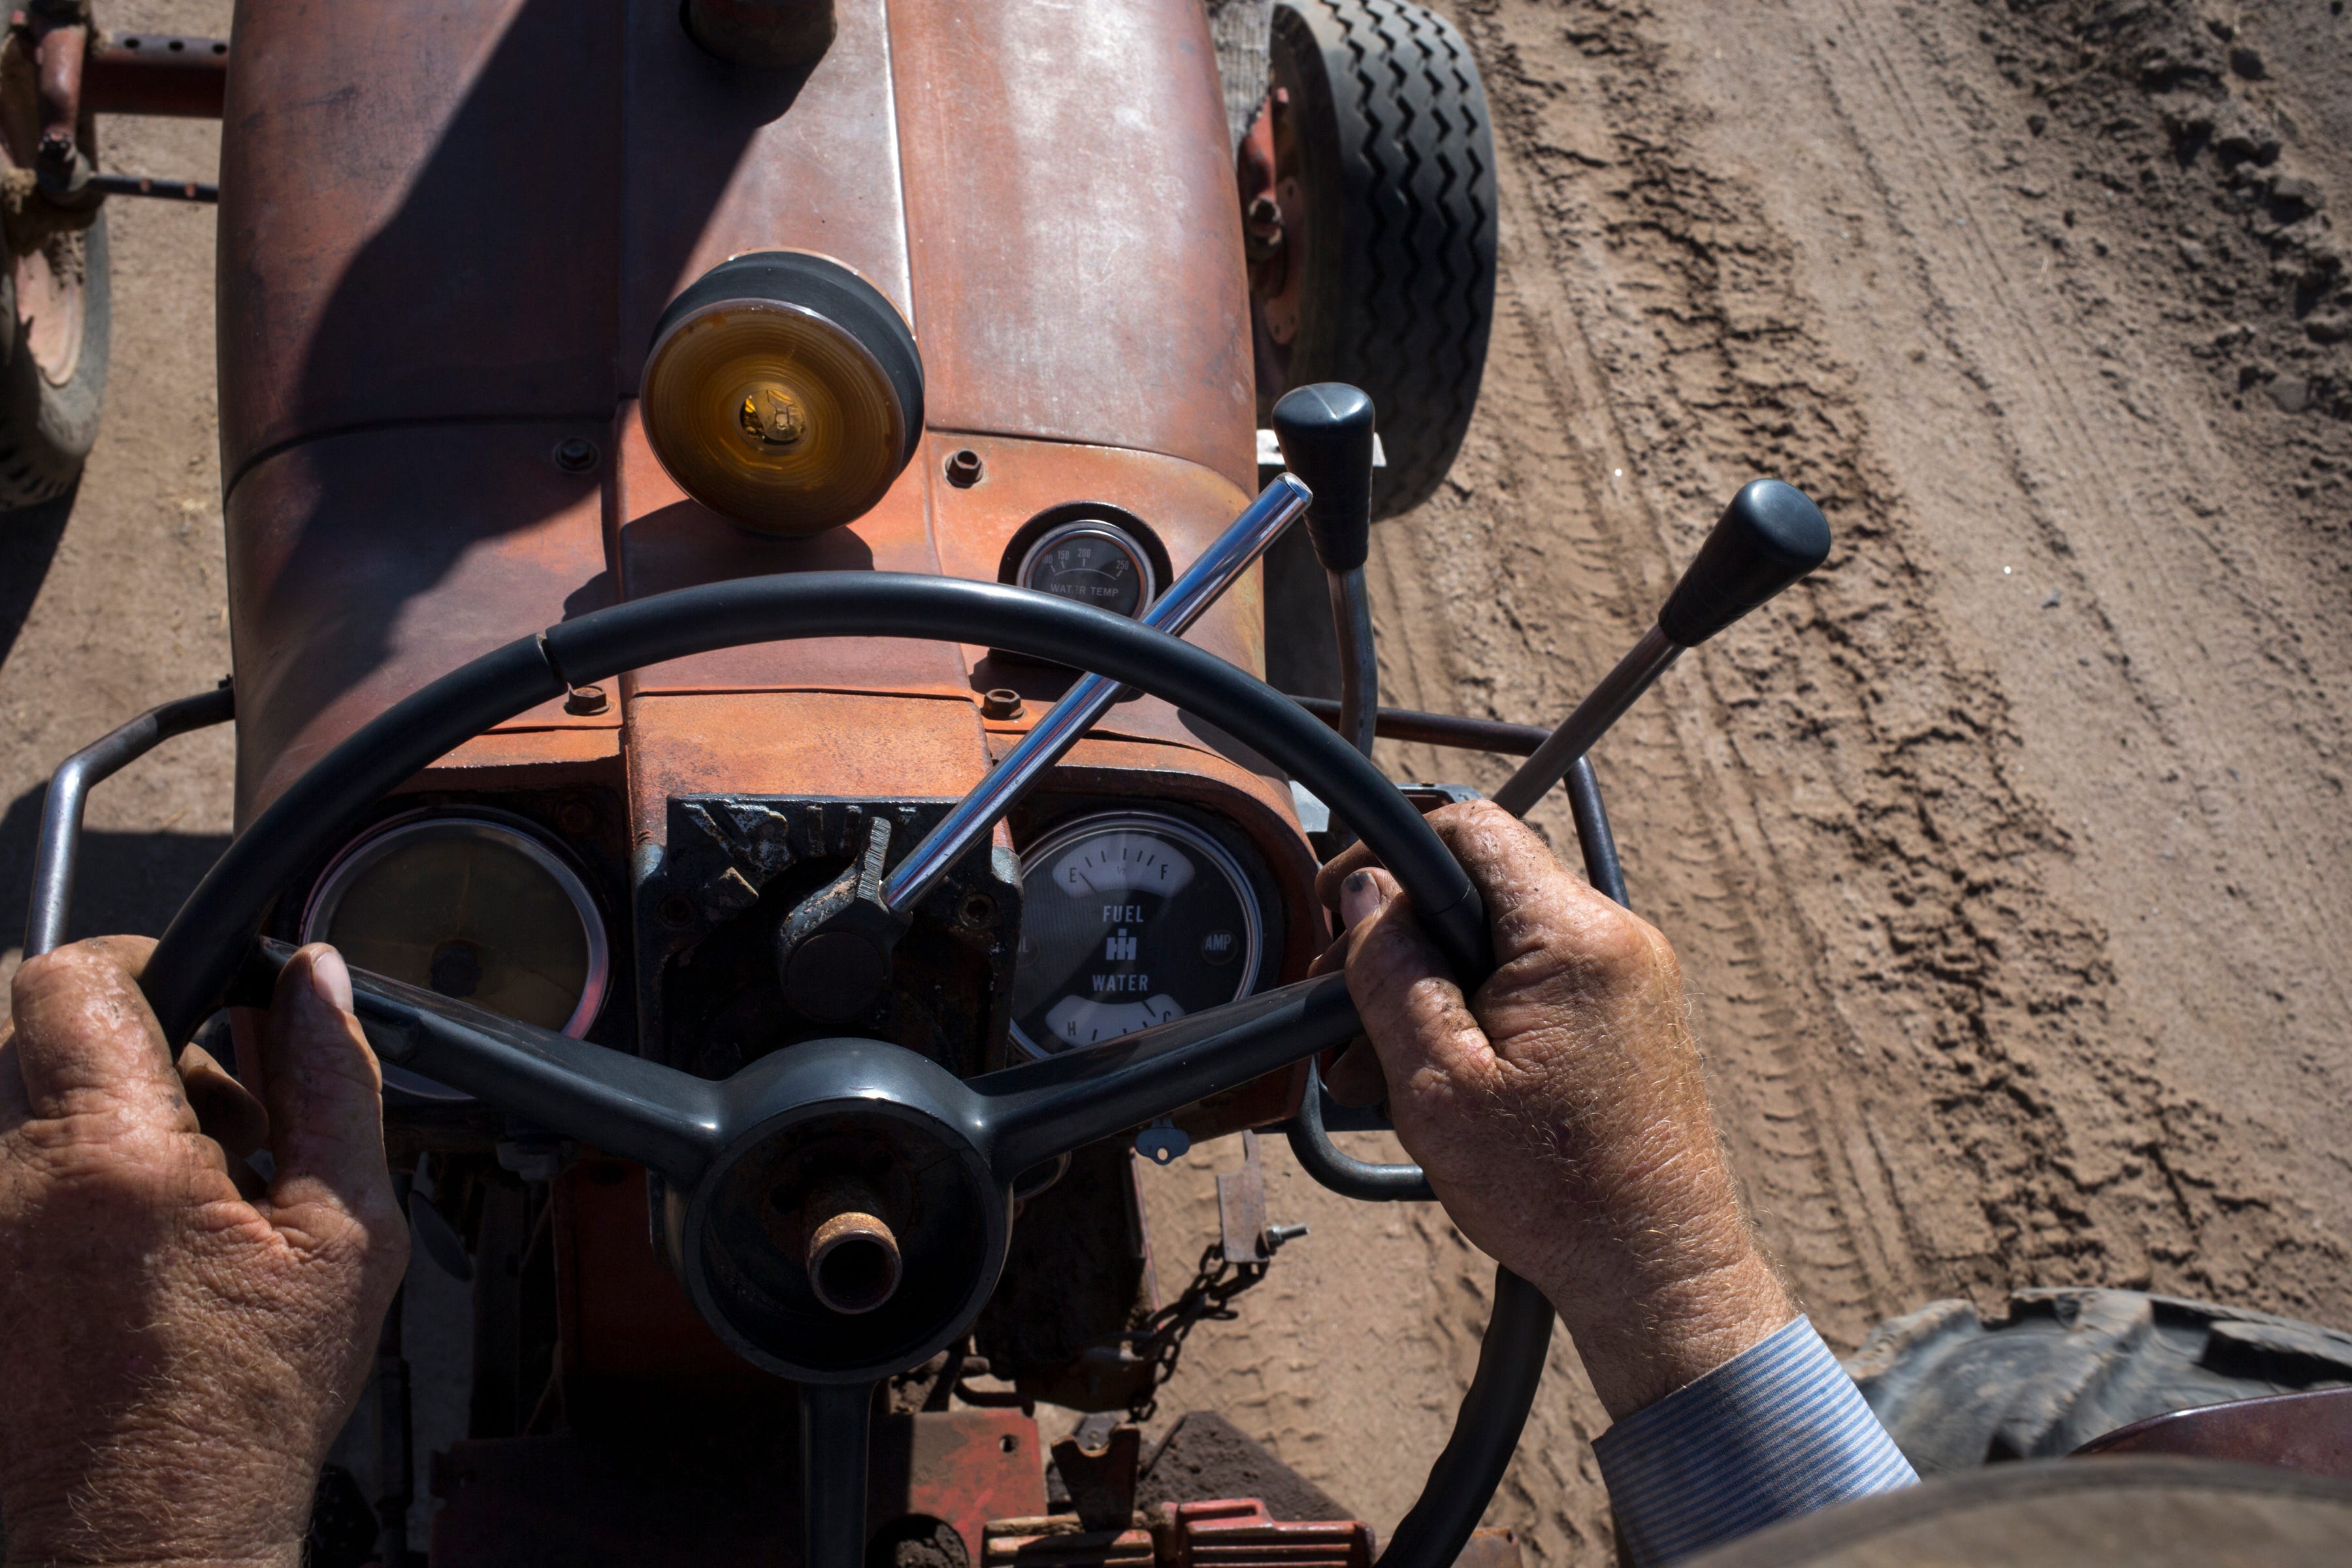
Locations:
40 976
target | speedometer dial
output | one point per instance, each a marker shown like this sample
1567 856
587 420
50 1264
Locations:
1129 918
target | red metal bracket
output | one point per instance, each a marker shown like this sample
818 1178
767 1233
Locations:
155 73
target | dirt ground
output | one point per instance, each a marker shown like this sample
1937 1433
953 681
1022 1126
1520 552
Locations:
2009 860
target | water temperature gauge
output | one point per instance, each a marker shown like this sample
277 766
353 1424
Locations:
1090 562
1129 918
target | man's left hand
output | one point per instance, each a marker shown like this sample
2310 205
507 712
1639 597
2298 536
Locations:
177 1354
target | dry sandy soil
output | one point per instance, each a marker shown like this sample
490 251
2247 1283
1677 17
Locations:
2009 860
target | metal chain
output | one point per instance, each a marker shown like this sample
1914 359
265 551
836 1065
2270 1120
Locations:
1208 1298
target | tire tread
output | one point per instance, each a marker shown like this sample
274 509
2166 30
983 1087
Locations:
1420 279
2061 1366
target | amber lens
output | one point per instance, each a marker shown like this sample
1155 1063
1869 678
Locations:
773 417
468 908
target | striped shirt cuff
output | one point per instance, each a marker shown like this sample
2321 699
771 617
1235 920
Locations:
1778 1430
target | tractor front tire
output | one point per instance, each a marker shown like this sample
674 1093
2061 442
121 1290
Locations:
2062 1366
1385 170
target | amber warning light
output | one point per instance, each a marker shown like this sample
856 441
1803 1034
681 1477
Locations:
783 392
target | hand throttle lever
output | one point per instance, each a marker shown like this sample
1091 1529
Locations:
1769 536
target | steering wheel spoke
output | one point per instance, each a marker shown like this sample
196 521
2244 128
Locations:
624 1105
836 1422
1039 1110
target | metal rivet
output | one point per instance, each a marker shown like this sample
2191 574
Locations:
963 468
574 456
1001 703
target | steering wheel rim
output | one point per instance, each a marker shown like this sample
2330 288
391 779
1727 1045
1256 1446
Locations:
212 935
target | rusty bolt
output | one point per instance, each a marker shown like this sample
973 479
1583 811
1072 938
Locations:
1263 224
574 456
1001 703
676 909
575 817
57 151
584 701
963 468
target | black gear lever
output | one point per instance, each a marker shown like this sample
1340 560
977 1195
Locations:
1771 535
1325 431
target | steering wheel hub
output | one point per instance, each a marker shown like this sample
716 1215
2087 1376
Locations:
858 1160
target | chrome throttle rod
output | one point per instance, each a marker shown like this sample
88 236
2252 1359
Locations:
1089 697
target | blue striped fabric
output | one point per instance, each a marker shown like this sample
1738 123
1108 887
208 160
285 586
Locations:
1776 1431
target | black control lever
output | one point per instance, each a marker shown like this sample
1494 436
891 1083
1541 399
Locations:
1325 431
1769 536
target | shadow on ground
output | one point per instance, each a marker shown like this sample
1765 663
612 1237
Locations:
124 883
28 543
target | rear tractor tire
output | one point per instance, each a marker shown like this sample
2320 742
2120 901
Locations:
2064 1367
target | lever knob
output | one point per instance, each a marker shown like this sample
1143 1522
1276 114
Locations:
1325 431
1769 536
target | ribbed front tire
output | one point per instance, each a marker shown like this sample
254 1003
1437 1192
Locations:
1386 163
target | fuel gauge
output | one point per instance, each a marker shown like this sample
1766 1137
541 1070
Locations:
1093 563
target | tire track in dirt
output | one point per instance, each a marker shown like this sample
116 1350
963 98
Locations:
2082 498
1869 756
1802 757
2116 473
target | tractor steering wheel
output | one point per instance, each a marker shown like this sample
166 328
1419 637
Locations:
731 1157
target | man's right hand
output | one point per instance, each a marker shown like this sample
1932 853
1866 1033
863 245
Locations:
1559 1110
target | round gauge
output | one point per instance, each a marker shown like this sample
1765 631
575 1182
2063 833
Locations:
1127 920
472 907
1092 562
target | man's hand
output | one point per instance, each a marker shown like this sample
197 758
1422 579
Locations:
1560 1113
177 1356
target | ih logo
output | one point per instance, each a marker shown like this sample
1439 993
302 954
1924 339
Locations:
1118 947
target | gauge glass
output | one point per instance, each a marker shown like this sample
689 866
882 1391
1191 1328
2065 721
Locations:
1127 920
473 908
1092 563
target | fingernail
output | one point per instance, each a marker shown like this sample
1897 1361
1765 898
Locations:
331 981
1360 897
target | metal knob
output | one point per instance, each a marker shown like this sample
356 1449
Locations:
1325 431
853 1258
